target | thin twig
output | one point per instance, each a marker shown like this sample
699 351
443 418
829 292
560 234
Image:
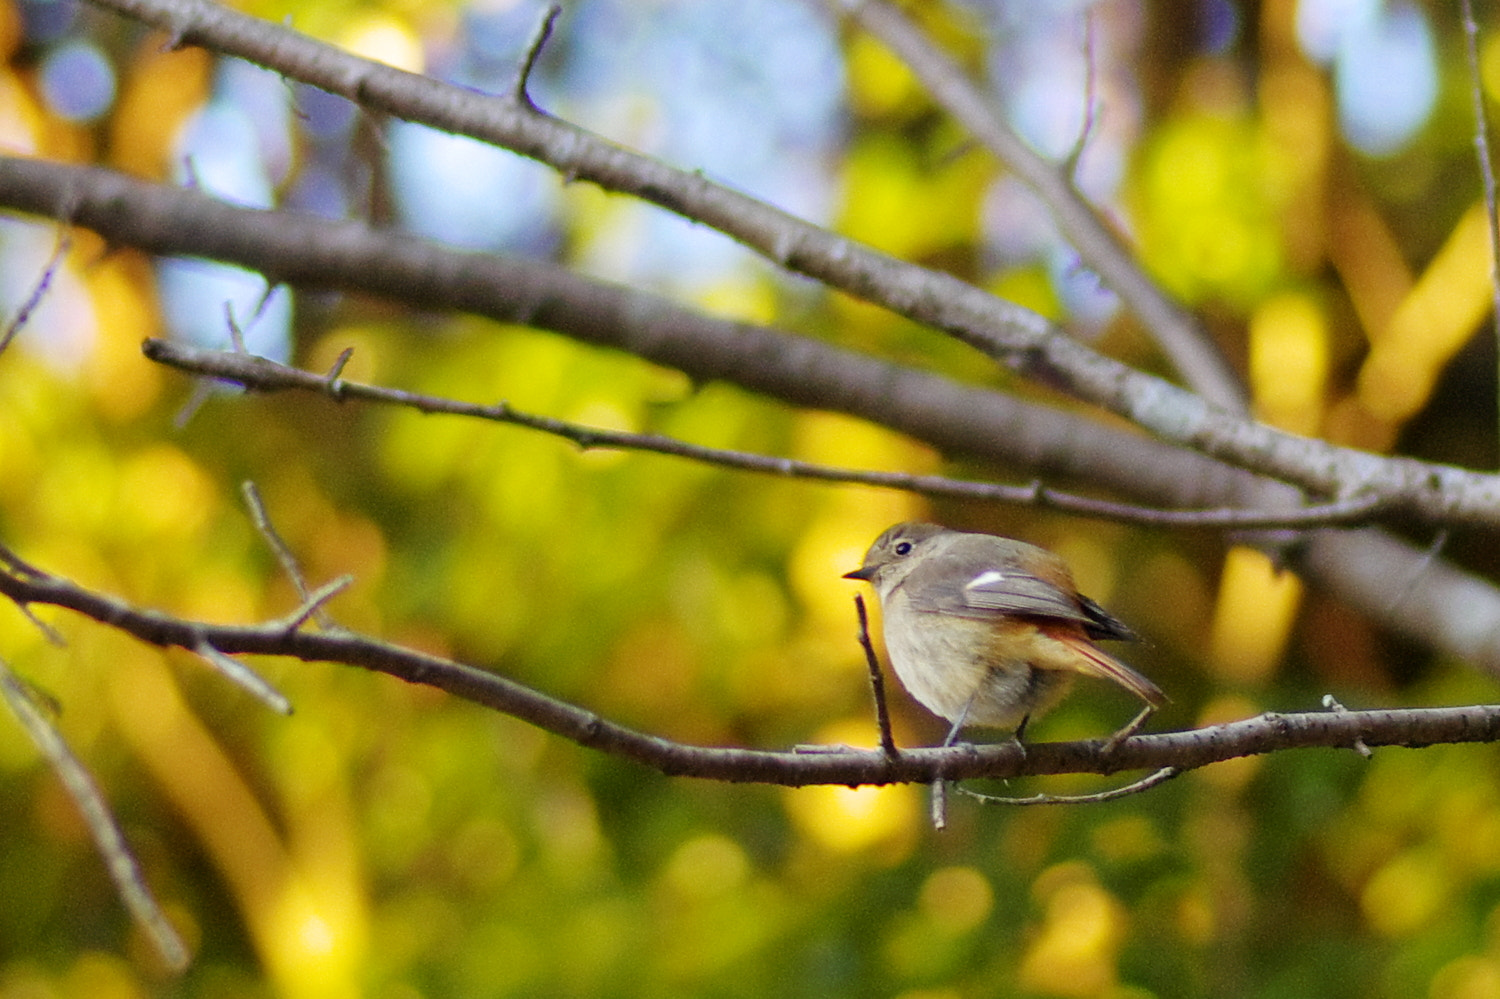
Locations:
937 810
259 374
519 90
283 554
877 679
202 392
1419 568
1332 704
336 372
17 564
123 868
1135 787
1408 727
51 634
1482 150
1090 96
236 335
59 250
242 676
315 600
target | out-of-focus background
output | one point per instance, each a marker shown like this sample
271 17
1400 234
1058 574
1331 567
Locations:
1300 174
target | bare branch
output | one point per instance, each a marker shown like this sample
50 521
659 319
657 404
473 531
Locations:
315 600
289 564
260 374
1482 151
108 839
245 678
59 251
1090 101
1176 330
1134 787
314 252
1265 733
533 53
1014 336
236 334
877 679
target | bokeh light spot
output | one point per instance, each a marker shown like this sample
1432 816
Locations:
78 82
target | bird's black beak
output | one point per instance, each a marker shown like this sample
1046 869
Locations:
864 572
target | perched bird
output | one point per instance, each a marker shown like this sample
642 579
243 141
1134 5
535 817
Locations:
989 631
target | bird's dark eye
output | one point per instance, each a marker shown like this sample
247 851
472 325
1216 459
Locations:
902 548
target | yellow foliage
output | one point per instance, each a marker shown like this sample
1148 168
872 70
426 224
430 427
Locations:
1435 319
956 899
1289 362
1208 225
1075 950
1257 606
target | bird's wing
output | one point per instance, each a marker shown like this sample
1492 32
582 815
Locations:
979 587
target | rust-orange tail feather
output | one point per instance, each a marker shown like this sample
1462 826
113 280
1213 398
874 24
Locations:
1094 661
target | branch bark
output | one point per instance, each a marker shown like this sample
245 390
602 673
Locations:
1012 335
1265 733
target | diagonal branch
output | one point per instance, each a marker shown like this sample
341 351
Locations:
1176 330
1453 609
311 252
124 869
1012 335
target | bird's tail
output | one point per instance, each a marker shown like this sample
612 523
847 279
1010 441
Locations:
1094 661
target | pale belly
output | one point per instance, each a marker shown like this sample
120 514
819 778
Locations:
940 667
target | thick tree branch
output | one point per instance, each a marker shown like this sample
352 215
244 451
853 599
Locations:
315 253
1015 336
1266 733
1451 610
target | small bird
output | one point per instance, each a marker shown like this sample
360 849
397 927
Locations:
989 631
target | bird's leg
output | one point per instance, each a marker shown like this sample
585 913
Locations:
1131 728
958 723
1020 735
940 786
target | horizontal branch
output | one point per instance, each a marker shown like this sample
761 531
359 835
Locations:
1013 335
1412 727
316 253
260 374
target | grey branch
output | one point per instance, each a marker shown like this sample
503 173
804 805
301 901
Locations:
260 374
1453 609
1012 335
123 869
1410 727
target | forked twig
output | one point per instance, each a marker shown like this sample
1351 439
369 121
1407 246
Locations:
289 563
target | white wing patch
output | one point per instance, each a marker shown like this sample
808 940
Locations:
984 579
